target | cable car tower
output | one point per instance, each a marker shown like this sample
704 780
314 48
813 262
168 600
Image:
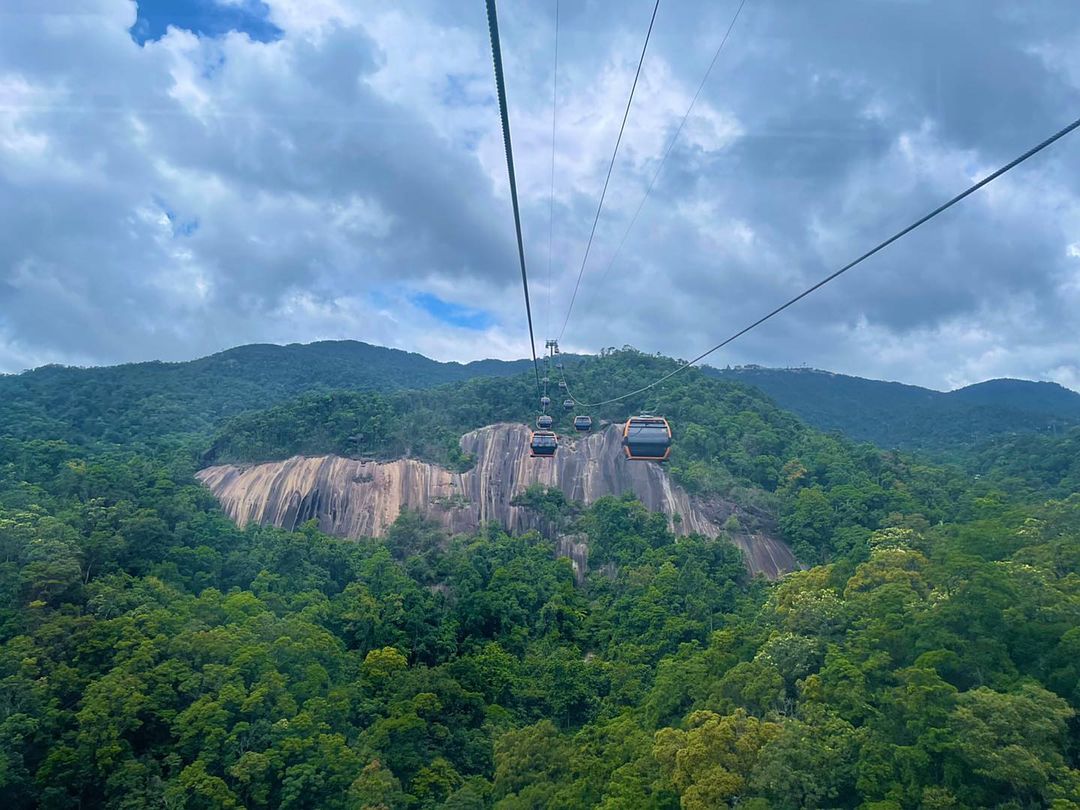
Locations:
544 441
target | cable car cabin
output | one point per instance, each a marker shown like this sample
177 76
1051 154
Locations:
568 404
647 438
544 422
543 444
545 401
562 385
583 423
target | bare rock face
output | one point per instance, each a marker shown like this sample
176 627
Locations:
360 498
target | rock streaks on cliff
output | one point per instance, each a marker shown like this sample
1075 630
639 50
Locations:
358 498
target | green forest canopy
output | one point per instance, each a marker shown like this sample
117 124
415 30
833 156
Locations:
155 655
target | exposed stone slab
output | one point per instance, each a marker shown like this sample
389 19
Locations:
357 498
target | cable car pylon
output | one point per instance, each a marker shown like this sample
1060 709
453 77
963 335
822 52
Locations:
543 442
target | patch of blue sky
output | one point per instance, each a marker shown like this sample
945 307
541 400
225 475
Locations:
210 18
455 91
179 227
453 314
380 299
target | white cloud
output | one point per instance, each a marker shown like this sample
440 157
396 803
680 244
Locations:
178 198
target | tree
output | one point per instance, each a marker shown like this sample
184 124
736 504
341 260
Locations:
376 789
809 764
710 762
535 755
380 665
1009 745
810 523
199 790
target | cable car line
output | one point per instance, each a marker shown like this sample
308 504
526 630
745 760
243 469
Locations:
673 141
611 166
551 203
881 246
500 85
671 144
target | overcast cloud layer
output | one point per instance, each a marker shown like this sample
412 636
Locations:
346 180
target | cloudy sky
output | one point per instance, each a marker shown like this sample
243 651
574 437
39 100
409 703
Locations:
182 176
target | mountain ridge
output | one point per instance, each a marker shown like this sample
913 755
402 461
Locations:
66 401
171 398
508 367
908 417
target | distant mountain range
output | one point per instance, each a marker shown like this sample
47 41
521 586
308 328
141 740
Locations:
174 398
64 401
895 415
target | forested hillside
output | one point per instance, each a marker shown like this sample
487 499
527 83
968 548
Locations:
828 493
907 417
144 400
153 655
173 399
1028 465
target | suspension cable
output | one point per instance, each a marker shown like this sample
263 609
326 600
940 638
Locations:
551 203
500 85
670 148
899 234
611 166
671 144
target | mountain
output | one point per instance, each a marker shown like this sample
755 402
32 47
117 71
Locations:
895 415
1022 395
158 399
155 654
730 441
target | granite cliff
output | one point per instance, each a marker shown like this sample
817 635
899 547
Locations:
359 498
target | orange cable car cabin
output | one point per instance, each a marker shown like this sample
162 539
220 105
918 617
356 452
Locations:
647 438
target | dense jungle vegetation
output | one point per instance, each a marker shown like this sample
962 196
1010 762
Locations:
944 425
153 655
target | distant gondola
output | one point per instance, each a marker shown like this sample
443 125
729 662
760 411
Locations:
647 438
543 444
568 404
562 385
583 423
544 422
545 401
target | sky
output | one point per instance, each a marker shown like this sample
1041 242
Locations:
182 176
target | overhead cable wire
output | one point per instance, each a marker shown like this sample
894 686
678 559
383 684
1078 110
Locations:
500 85
611 165
671 143
881 246
551 204
674 138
